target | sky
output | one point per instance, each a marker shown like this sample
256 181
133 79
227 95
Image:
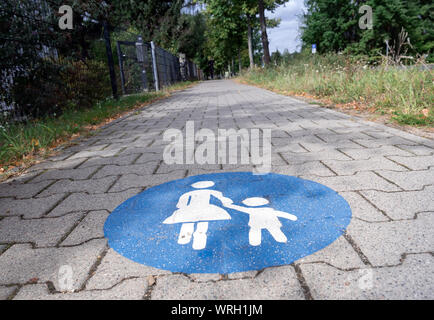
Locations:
286 35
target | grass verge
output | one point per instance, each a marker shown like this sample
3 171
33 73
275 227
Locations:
23 144
404 95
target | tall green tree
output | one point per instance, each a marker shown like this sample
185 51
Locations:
333 25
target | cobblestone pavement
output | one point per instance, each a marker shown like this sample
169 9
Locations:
53 215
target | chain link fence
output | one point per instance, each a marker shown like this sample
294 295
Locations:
146 67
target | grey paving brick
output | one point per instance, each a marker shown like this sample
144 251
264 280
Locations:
243 275
353 166
75 174
272 283
21 190
5 292
65 164
83 201
140 181
384 243
339 254
68 186
362 209
115 160
21 263
420 150
413 280
114 268
368 153
29 208
90 227
325 154
42 232
100 153
359 181
130 289
139 169
410 180
402 205
308 168
415 163
376 143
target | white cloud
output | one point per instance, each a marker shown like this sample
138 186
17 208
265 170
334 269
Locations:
286 35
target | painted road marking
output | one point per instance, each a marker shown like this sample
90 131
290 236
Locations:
227 222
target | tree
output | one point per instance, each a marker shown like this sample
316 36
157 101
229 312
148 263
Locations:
263 5
333 25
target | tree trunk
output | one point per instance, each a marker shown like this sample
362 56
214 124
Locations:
240 65
264 32
250 44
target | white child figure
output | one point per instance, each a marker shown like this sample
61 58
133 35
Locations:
195 207
263 218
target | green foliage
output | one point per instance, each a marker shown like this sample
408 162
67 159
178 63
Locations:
333 25
405 94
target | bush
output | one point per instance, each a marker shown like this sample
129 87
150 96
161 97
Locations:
54 85
85 83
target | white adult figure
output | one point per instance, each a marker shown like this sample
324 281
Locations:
194 207
261 217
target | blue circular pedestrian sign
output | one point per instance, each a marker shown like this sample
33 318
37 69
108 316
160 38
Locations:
227 222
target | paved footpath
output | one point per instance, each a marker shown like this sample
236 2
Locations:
53 215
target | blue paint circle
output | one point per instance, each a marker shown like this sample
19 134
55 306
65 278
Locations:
136 230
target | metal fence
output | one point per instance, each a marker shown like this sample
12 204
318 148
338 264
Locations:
143 66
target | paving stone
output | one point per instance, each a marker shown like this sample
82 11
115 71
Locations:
326 282
402 205
368 153
415 163
115 160
21 190
90 186
2 248
139 169
339 254
272 283
308 168
65 164
242 275
130 289
326 154
42 232
353 166
29 208
20 263
384 243
205 277
168 168
114 268
362 209
410 180
420 150
75 174
376 143
359 181
140 181
90 154
91 227
336 138
5 292
83 201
